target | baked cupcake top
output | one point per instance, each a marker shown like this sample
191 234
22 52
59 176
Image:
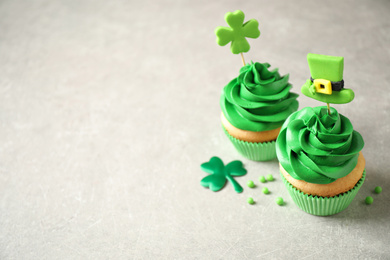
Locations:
318 147
258 99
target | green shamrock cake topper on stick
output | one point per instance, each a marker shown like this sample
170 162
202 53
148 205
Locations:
326 83
237 32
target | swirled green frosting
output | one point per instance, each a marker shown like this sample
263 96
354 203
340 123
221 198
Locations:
258 99
318 147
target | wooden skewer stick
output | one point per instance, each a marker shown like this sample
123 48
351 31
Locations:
328 108
242 58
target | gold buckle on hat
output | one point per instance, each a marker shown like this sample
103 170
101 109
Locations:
323 86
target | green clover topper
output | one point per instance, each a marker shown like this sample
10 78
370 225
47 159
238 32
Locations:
220 173
237 32
326 83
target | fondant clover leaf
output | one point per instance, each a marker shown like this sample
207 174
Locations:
219 173
237 32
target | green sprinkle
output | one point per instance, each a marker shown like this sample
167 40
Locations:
262 179
279 201
378 189
265 190
269 177
369 200
250 201
250 184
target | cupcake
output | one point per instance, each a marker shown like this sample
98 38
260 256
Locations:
319 152
254 107
256 103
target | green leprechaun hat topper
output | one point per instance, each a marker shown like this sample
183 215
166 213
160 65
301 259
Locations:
326 83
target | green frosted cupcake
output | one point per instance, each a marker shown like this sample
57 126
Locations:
320 159
256 103
254 106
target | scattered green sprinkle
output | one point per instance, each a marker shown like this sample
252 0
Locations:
250 200
378 189
250 184
279 201
262 179
369 200
269 177
265 190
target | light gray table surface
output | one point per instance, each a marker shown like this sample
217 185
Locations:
108 108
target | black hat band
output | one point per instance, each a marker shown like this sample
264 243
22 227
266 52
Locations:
336 86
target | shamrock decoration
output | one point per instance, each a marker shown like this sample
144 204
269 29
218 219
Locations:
237 32
219 173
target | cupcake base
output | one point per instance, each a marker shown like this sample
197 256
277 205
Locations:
254 151
323 206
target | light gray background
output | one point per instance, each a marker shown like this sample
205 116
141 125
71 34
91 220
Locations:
108 108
